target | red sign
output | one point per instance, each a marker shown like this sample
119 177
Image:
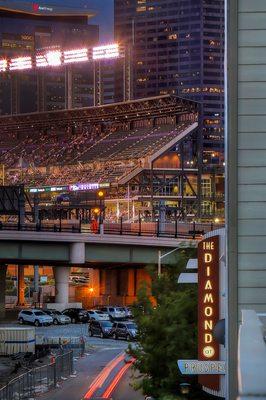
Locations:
35 7
208 306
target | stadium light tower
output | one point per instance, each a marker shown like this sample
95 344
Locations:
56 58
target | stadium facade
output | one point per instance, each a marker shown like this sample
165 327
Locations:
27 27
145 153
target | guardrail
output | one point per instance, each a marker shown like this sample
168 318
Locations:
38 380
174 229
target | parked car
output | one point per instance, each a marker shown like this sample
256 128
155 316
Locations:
100 328
126 330
76 314
128 312
58 317
114 312
98 315
34 316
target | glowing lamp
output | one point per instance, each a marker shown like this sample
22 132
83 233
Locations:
91 290
96 210
184 388
41 61
3 65
105 52
20 63
54 58
100 194
217 220
78 55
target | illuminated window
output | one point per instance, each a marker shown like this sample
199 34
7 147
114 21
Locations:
173 36
141 9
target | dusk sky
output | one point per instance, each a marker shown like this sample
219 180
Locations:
105 14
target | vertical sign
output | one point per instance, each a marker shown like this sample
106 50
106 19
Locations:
208 306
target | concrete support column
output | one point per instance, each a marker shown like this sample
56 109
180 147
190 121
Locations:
77 253
131 282
142 278
36 278
61 275
3 269
21 286
113 282
102 282
95 282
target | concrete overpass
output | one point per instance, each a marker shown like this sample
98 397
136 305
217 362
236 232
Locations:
125 255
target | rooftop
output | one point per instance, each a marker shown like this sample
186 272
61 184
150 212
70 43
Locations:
37 9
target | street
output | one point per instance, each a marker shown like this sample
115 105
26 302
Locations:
102 372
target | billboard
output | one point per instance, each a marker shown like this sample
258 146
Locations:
208 306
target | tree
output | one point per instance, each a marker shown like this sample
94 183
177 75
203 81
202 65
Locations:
167 332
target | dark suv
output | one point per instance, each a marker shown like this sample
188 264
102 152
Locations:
76 315
126 330
100 328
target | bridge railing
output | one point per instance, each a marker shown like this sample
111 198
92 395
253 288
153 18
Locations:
174 229
170 229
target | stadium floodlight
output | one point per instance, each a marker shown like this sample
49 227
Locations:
105 52
73 56
3 65
54 58
41 61
20 63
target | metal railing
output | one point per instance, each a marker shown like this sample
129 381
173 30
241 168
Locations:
39 380
173 229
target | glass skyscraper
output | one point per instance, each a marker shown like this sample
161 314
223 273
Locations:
178 48
25 28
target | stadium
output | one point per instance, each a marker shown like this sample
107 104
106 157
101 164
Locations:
144 153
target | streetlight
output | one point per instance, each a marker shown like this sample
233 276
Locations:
184 388
161 256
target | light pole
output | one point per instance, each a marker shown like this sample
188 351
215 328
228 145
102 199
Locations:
161 256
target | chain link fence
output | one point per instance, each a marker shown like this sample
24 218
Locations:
39 380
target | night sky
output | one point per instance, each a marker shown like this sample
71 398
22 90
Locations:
104 9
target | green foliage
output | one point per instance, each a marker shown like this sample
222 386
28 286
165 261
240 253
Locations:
167 332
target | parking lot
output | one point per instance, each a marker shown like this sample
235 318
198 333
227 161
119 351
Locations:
77 330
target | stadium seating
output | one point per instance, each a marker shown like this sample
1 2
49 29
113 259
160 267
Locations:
90 154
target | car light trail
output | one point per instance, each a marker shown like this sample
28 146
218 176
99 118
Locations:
116 380
99 380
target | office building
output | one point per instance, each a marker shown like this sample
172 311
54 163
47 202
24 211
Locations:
27 28
177 48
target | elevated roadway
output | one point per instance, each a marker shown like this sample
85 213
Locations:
61 248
